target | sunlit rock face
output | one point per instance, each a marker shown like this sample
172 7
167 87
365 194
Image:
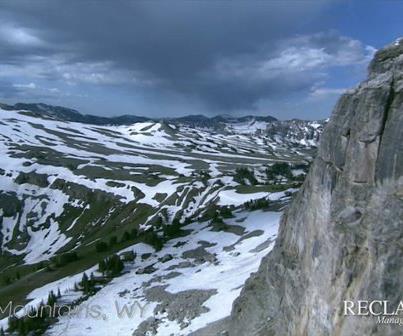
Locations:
341 238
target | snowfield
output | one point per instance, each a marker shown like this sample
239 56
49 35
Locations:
230 259
136 148
73 194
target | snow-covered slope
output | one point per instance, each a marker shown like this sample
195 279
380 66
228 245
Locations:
205 275
66 187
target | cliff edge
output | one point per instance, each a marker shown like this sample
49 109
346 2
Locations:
342 237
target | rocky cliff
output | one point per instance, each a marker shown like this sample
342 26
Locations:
342 237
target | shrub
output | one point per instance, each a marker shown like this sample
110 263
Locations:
245 176
151 238
51 299
279 168
205 175
128 256
261 203
88 284
211 212
173 230
218 224
126 237
113 241
133 233
101 246
111 266
65 258
226 212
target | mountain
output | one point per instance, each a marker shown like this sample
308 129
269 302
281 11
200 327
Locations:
292 132
167 214
67 114
220 121
341 237
298 131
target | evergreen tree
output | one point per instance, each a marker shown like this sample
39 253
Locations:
102 266
133 233
126 236
226 212
279 169
88 285
151 238
84 282
113 241
13 323
173 230
112 265
261 203
52 299
245 176
101 246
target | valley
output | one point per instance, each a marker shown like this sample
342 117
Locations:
193 206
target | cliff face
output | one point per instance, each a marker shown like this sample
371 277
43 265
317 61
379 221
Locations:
342 237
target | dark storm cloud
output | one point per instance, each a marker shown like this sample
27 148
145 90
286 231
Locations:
7 89
227 56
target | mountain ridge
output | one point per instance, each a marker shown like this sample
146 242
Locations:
68 114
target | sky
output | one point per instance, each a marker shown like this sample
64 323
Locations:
288 59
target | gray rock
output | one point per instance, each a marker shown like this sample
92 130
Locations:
181 307
166 258
128 256
342 236
146 270
199 255
182 264
41 180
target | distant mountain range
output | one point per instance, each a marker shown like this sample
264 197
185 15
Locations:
67 114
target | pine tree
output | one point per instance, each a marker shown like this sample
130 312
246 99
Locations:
6 280
13 322
133 233
112 265
102 266
88 285
101 246
126 236
84 282
52 299
113 241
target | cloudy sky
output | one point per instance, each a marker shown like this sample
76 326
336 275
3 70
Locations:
290 59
